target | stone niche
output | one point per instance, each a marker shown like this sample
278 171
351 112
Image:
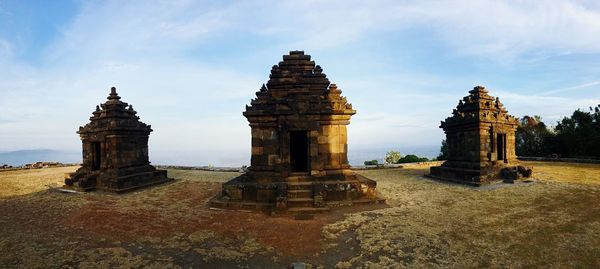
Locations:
481 141
115 151
299 156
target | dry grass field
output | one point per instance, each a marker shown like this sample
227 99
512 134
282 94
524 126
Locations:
551 222
20 182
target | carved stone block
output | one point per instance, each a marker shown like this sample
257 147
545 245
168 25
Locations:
115 151
299 121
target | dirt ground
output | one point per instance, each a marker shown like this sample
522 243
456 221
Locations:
551 222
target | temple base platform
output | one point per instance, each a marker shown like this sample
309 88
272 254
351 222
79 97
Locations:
298 193
116 180
479 177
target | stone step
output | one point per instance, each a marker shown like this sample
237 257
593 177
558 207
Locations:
299 174
307 186
300 193
299 179
368 201
244 205
362 201
300 202
325 182
308 210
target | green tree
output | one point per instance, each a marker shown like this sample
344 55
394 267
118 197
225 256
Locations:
410 158
443 151
579 134
392 157
371 162
533 138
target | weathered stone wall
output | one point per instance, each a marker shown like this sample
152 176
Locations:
333 146
298 102
121 160
472 134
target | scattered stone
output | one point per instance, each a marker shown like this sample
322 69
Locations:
525 171
63 190
38 165
300 265
5 166
509 174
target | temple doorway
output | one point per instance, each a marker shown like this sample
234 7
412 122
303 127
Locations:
299 151
501 146
96 156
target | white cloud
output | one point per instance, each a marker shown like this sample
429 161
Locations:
511 28
135 29
551 108
572 88
195 107
500 30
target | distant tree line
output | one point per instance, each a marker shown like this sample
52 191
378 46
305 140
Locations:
371 162
394 157
577 136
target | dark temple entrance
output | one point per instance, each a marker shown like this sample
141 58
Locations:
96 156
299 151
501 149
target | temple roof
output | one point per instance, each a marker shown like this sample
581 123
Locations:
479 106
298 85
114 115
297 71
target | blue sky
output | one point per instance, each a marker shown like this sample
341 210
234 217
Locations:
190 67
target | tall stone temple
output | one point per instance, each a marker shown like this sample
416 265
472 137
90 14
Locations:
481 141
115 151
299 156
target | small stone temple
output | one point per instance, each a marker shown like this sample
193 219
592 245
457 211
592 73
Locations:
115 151
299 156
481 141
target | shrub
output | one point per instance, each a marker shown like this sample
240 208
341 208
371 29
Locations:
371 162
443 151
412 159
392 157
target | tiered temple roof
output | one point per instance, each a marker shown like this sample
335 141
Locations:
297 85
115 151
299 159
480 136
114 114
476 107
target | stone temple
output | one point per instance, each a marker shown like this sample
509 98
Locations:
115 151
299 159
481 141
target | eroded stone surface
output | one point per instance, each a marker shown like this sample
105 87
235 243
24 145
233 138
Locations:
481 140
299 144
115 150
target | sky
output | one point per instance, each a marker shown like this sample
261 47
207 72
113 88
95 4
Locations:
190 67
